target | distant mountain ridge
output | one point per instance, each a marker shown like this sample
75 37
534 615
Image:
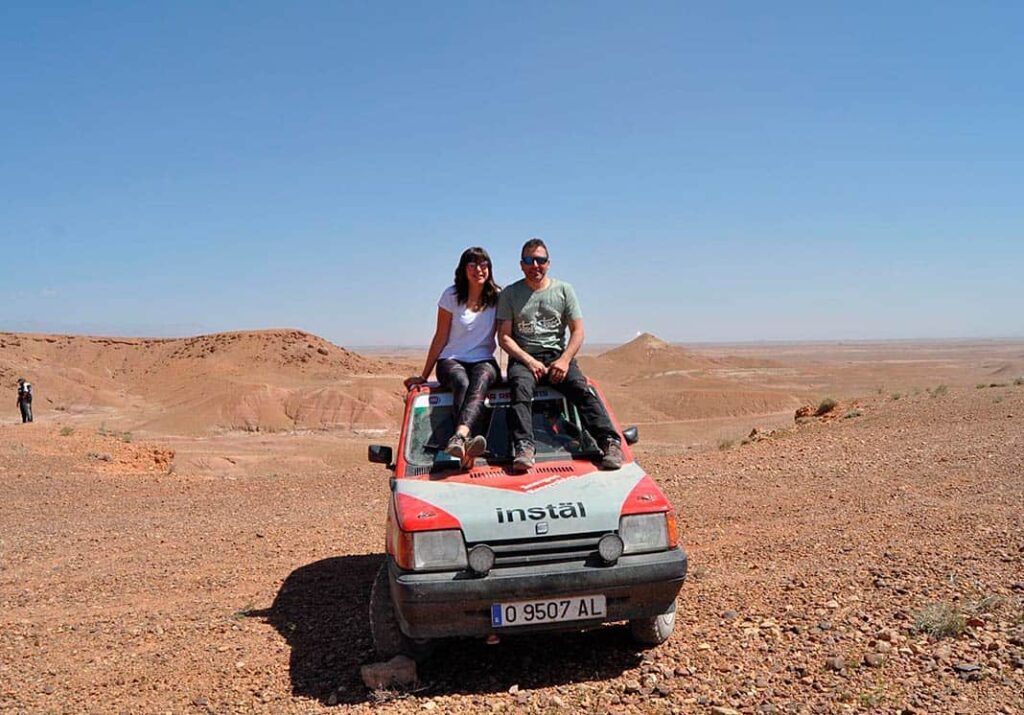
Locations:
260 379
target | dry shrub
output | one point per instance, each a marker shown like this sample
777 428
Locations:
940 620
825 406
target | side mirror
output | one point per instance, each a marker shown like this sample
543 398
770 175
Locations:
632 434
379 453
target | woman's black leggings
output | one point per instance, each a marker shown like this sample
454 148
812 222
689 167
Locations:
469 382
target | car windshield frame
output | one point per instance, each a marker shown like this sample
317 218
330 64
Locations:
558 430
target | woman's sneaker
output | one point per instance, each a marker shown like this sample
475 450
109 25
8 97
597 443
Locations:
474 447
456 446
524 458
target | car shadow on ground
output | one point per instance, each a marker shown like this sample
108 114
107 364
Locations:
321 611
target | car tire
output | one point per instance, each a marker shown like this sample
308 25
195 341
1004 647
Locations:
388 639
654 631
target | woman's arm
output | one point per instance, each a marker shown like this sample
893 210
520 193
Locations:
441 332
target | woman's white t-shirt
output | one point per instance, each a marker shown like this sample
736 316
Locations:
471 338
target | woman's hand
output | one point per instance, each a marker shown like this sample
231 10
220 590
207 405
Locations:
411 382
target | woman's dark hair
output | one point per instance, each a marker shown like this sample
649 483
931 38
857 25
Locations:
490 293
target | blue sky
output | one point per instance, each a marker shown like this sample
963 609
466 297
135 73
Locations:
713 171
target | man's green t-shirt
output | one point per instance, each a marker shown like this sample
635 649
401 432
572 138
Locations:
539 318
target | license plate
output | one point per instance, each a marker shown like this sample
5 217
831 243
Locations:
555 610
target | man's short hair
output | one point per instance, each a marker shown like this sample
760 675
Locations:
532 244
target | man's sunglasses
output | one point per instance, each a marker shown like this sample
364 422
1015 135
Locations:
535 260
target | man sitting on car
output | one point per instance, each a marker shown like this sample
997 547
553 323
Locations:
533 315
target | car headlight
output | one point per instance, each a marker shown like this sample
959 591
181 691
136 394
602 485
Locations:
438 550
644 532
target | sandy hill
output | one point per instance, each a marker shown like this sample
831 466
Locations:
650 380
647 354
266 379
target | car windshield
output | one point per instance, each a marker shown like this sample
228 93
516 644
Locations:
558 432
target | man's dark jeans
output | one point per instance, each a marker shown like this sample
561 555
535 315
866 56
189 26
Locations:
26 411
575 389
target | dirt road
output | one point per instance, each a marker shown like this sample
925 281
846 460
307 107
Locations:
813 555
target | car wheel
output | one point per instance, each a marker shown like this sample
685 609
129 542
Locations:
654 631
388 638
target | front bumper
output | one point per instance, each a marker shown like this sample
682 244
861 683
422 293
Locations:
439 605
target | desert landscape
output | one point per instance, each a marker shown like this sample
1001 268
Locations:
191 525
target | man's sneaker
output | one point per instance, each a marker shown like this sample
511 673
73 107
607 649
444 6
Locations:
524 458
456 446
612 458
475 447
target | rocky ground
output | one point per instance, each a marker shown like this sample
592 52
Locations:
871 562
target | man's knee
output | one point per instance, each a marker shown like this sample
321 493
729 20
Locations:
521 384
522 390
574 386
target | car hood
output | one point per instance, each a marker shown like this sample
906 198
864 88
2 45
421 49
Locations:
564 501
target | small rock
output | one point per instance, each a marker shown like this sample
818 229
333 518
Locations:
722 710
332 699
514 689
874 660
729 615
968 671
200 702
631 686
400 671
835 663
664 689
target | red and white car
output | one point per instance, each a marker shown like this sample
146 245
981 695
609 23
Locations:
486 552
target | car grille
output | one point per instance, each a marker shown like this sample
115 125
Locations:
550 549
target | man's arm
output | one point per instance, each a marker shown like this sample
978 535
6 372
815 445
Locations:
508 344
558 369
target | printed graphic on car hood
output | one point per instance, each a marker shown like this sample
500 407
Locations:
565 505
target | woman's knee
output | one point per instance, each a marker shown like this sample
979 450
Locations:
458 380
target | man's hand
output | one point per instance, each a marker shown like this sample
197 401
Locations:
538 368
558 369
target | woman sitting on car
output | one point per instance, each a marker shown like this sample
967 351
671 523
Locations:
462 350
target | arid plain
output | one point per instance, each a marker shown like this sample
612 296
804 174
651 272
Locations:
191 525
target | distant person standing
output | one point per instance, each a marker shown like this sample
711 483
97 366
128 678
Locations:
25 400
